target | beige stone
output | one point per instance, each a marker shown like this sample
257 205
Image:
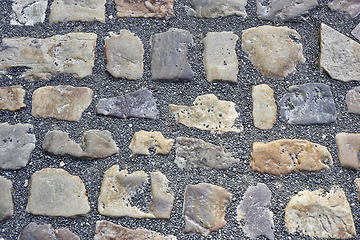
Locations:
12 98
357 182
143 140
348 145
283 156
208 113
272 50
356 32
217 8
318 215
351 7
144 8
6 202
264 106
28 12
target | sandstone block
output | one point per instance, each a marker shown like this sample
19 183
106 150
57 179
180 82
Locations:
12 98
28 12
143 140
34 231
350 7
143 8
348 145
219 8
264 106
6 202
353 100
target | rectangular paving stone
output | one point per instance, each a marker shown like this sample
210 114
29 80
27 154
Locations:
12 98
217 8
144 8
28 12
264 106
6 202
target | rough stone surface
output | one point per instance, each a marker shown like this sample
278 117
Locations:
168 56
356 32
283 156
65 234
143 8
16 145
208 113
58 143
280 10
204 208
220 60
264 106
70 53
140 104
340 55
28 12
351 7
272 50
253 211
318 215
193 152
61 102
357 182
77 10
217 8
6 202
353 100
12 98
143 140
307 104
34 231
124 55
54 192
348 145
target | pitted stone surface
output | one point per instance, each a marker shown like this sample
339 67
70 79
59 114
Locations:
6 202
144 8
357 182
12 98
356 32
307 104
348 145
217 8
143 140
34 231
264 106
351 7
353 100
140 104
28 12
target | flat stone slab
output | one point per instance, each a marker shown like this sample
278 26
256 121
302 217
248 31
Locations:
62 102
77 10
143 140
353 100
315 214
308 104
143 8
340 55
356 32
168 56
193 152
140 104
219 8
54 192
204 208
254 213
272 50
6 202
264 106
280 10
45 232
16 145
283 156
357 183
350 7
208 113
12 97
70 53
124 55
220 60
348 145
28 12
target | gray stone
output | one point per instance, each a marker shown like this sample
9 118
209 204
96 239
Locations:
140 104
307 104
143 140
16 145
168 56
12 98
350 7
348 145
28 12
353 100
253 211
58 143
34 231
65 234
217 8
264 106
144 8
356 32
6 202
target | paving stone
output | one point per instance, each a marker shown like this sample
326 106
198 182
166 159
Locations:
307 104
143 8
283 156
54 192
12 97
58 143
272 50
219 8
65 234
142 141
220 60
6 202
353 100
34 231
357 182
16 145
356 32
280 10
124 55
348 145
351 7
28 12
70 53
168 56
140 104
193 152
208 113
254 213
315 214
264 106
77 10
62 102
340 55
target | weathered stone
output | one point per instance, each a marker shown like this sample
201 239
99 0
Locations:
353 100
264 106
70 53
34 231
16 145
318 215
307 104
220 60
348 145
124 55
217 8
357 182
272 50
6 202
65 234
285 155
54 192
139 104
12 98
280 10
351 7
61 102
58 143
28 12
142 141
193 152
143 8
168 56
208 113
253 211
356 32
340 55
106 230
77 10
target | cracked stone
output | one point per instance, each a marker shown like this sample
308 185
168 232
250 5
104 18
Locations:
28 12
217 8
143 8
356 32
348 145
264 106
357 183
143 140
6 202
34 231
12 97
353 100
350 7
